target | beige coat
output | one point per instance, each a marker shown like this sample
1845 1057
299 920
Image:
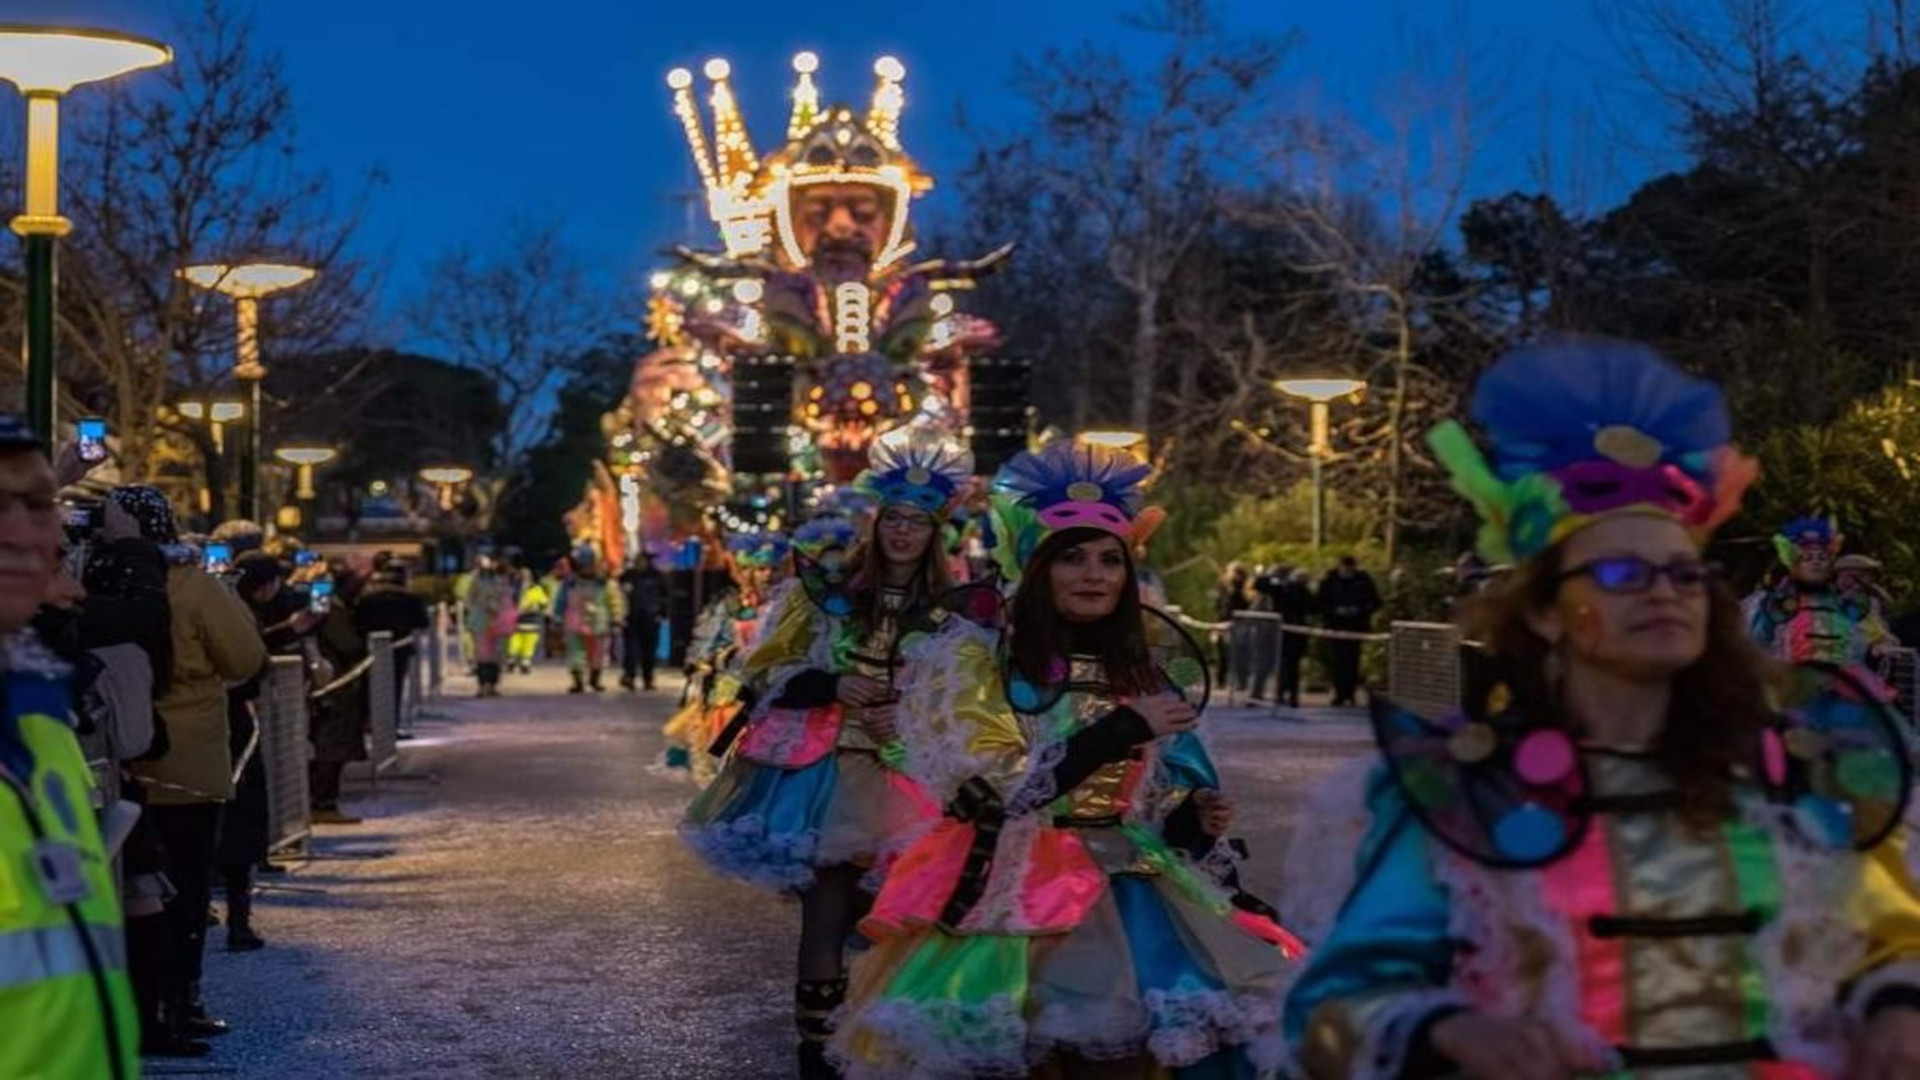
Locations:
215 644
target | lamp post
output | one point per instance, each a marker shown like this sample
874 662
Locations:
1119 440
446 478
46 62
305 459
246 283
216 415
1319 395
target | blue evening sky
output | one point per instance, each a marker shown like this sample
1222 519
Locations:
479 111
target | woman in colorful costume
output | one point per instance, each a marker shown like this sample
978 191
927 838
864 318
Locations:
726 632
588 606
1057 919
1625 859
488 617
1807 615
815 792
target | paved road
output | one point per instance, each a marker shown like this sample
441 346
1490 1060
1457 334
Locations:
525 910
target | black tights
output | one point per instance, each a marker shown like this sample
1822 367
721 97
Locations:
829 912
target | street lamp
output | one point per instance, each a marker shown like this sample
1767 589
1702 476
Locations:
306 459
1119 440
44 63
246 283
446 478
1320 394
217 415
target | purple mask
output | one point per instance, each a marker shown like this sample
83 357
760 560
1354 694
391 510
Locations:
1597 487
1086 515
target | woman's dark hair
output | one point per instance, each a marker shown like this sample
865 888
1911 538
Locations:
1720 702
931 579
1041 637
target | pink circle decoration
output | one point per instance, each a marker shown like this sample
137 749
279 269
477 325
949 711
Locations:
1544 757
1773 756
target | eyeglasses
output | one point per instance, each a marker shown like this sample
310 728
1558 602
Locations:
913 522
1628 575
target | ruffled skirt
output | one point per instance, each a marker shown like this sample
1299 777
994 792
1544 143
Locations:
1148 972
771 827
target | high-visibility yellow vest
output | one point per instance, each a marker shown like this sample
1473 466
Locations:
66 1004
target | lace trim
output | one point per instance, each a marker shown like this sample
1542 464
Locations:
1318 873
935 1040
1804 952
934 687
742 848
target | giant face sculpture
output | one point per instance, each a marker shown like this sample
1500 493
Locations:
842 227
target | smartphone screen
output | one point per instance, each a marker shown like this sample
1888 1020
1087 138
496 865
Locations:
319 595
92 433
219 558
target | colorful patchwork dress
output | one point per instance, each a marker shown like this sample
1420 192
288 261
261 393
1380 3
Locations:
1508 871
1065 904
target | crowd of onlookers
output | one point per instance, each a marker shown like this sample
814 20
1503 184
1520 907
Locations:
151 645
1264 658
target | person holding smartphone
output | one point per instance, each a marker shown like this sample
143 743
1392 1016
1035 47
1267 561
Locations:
215 642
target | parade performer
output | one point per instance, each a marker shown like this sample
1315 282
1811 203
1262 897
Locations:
725 633
817 790
530 622
587 606
489 616
1807 614
1056 920
1624 858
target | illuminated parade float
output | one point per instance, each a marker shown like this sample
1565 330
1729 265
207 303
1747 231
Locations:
813 328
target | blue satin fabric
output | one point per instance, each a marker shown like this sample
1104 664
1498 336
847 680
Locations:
1186 763
1162 960
1392 934
786 807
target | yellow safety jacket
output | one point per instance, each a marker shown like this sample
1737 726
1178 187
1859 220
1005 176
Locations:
66 1005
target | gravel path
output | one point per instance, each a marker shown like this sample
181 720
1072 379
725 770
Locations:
519 906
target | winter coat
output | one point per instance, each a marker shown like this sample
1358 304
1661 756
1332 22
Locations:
215 643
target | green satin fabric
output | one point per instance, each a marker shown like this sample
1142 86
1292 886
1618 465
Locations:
963 970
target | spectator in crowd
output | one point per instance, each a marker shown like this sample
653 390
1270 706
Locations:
387 604
69 1013
215 643
488 616
1231 593
340 705
282 618
530 624
1348 601
1296 605
646 594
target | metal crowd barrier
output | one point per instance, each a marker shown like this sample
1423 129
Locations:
1424 673
1251 642
383 720
437 661
285 751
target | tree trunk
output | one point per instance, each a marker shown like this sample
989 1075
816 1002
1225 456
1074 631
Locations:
1146 359
1396 414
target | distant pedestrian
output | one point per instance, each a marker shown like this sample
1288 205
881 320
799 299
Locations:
1348 601
645 589
1296 605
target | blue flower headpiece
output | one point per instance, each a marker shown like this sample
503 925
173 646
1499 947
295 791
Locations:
1578 430
757 550
1066 484
1806 532
918 467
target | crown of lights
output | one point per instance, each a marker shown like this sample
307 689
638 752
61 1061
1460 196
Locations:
749 198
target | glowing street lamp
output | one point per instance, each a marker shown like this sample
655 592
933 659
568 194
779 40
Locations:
217 415
1320 394
306 459
46 62
1119 440
246 284
446 478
